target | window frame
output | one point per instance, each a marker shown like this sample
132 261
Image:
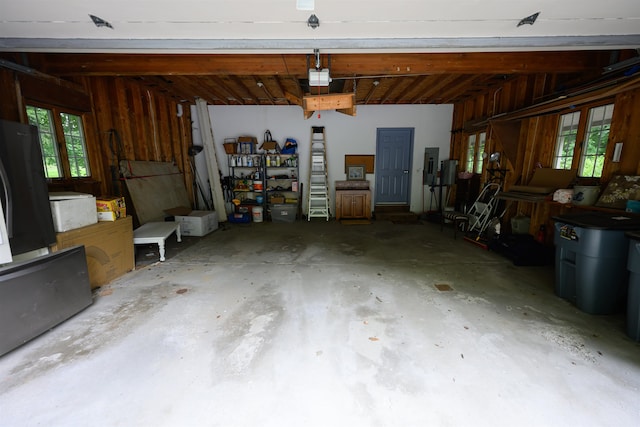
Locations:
588 131
558 151
475 164
580 146
61 139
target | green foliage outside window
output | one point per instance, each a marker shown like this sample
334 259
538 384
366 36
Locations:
471 153
73 138
43 119
597 137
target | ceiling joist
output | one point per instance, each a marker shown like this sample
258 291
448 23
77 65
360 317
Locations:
342 65
402 78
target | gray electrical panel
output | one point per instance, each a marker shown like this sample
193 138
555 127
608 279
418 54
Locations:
430 171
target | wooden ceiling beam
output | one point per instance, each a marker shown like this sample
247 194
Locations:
194 88
204 85
281 89
410 87
435 85
248 92
395 83
448 90
223 86
376 65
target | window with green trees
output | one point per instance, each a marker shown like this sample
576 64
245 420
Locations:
582 139
595 142
475 152
566 140
67 160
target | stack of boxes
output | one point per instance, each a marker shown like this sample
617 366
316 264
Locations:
102 226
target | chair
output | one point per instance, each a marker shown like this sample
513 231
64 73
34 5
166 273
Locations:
460 221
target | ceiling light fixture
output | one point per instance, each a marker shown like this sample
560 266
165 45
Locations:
266 92
531 19
375 84
313 21
99 22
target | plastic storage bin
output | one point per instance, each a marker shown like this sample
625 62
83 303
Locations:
520 224
283 213
591 257
633 297
72 210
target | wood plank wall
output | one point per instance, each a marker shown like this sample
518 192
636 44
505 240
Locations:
536 136
146 123
145 120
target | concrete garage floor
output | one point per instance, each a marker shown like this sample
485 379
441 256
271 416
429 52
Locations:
322 324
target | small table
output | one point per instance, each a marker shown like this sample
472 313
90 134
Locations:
156 232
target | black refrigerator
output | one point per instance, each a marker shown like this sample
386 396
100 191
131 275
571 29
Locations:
24 192
44 288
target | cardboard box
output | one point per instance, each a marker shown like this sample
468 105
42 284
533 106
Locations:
108 247
197 223
111 204
107 216
71 210
277 199
270 146
247 144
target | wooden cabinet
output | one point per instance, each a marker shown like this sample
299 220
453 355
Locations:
353 204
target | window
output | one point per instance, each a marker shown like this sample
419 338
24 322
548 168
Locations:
475 152
590 125
480 152
471 153
596 138
68 160
566 141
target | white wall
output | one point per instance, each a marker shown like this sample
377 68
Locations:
345 135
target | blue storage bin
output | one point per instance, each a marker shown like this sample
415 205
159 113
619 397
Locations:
239 218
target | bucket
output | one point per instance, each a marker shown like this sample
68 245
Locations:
585 195
257 214
257 186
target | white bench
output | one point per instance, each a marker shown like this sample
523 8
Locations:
156 232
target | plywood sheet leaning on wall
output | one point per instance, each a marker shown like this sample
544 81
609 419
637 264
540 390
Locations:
154 187
206 131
